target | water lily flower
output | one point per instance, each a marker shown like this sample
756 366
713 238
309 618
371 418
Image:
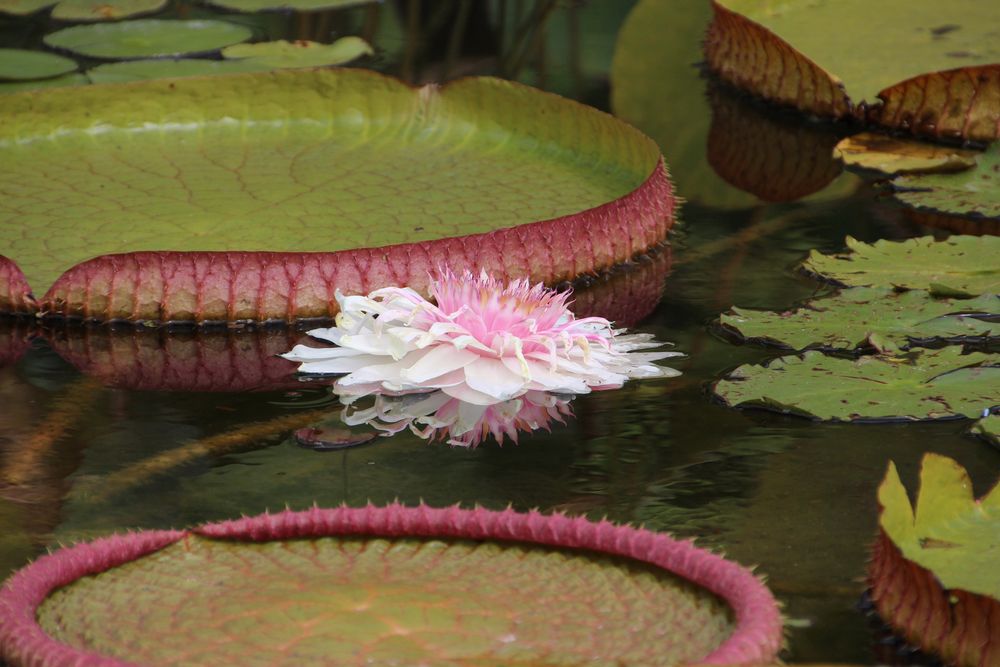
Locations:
438 416
481 341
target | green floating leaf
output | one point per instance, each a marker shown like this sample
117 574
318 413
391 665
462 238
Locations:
141 70
147 38
934 384
23 65
292 5
74 79
24 7
933 573
893 155
960 266
976 191
855 317
301 53
104 10
988 428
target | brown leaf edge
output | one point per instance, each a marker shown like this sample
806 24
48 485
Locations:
751 57
960 627
756 638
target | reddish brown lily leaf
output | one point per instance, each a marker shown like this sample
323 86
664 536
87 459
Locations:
415 585
334 179
15 293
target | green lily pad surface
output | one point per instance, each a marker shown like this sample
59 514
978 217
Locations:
976 191
143 70
301 53
332 599
988 428
861 316
20 65
24 7
147 37
958 266
305 160
949 532
293 5
932 384
72 79
104 10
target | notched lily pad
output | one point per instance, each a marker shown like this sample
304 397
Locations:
933 571
929 384
147 38
961 266
936 77
862 316
23 65
104 10
892 155
300 53
413 585
975 192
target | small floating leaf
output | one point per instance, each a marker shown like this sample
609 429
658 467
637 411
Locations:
290 5
147 38
976 191
23 7
934 384
933 572
22 65
104 10
141 70
988 428
300 53
892 155
73 79
882 317
956 266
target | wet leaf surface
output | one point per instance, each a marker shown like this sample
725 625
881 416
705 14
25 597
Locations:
861 316
929 384
301 53
960 266
147 37
975 192
19 64
893 155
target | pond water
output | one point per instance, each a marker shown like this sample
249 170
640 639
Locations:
104 430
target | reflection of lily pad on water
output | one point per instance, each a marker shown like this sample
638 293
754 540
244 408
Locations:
961 266
819 57
933 570
929 384
304 171
452 585
882 318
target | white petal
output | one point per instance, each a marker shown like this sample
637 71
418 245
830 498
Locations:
465 393
437 361
469 417
493 378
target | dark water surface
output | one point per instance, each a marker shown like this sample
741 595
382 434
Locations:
97 432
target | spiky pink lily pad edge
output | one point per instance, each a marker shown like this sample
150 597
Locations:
216 287
756 639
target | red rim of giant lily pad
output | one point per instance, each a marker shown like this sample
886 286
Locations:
253 197
755 635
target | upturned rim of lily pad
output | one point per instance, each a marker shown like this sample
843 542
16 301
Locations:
160 287
756 638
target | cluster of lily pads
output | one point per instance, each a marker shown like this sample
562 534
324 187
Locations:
149 48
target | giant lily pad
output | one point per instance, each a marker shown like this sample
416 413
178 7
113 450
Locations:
300 53
988 428
976 191
933 571
958 266
238 176
930 384
415 585
104 10
18 64
146 38
24 7
936 70
883 318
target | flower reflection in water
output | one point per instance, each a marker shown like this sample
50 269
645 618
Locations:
484 357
